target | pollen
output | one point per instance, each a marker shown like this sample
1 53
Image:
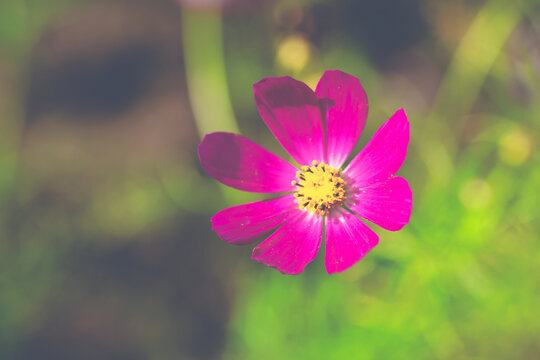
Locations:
320 188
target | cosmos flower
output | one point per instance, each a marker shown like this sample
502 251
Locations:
319 130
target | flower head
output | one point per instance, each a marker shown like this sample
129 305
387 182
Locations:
319 130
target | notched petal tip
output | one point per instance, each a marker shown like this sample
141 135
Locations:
384 154
401 112
246 223
339 75
206 140
291 110
400 116
387 204
283 91
291 247
345 104
348 240
240 163
273 81
406 205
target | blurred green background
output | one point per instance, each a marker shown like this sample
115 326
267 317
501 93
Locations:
106 250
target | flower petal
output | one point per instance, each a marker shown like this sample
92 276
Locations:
244 224
348 239
293 245
291 111
244 165
383 155
346 107
387 204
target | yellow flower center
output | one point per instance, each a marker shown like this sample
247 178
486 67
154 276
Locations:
320 188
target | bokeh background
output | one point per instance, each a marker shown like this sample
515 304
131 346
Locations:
106 250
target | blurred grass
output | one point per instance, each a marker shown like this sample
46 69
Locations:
28 263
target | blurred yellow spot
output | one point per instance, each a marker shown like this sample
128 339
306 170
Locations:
475 194
514 147
293 52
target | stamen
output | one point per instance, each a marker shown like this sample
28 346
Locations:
322 187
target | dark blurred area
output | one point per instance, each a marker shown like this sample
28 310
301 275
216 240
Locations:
106 245
106 109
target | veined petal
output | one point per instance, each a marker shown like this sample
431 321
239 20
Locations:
291 111
293 245
348 239
244 224
383 155
346 105
387 204
244 165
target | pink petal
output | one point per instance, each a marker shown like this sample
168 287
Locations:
244 165
383 155
387 204
293 245
346 106
348 239
244 224
291 111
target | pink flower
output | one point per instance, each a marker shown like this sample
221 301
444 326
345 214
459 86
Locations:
319 130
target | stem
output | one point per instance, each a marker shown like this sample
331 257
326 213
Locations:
205 71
